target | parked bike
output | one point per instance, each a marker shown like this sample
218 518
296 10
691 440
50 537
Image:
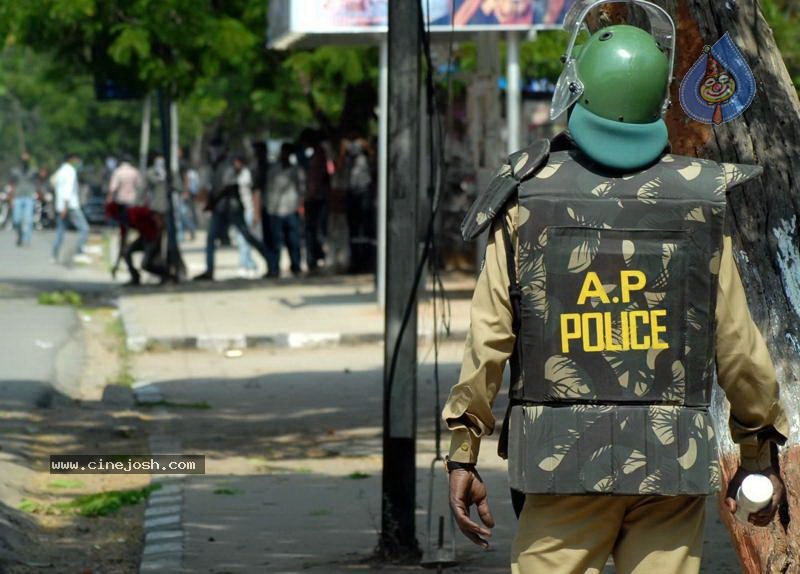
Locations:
5 205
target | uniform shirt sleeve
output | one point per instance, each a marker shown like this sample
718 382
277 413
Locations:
745 371
490 342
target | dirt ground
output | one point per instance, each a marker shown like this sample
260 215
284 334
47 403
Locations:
35 535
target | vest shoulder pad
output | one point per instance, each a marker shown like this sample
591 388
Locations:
737 174
519 166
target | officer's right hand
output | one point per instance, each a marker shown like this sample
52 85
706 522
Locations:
467 488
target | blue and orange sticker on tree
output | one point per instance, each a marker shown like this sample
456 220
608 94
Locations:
720 86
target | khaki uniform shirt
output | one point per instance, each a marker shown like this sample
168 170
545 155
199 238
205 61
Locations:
744 368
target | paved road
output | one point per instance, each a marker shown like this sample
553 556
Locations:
292 444
40 346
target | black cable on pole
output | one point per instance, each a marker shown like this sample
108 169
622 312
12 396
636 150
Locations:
437 174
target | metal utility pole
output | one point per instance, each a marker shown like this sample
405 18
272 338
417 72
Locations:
513 90
144 139
174 260
398 540
383 145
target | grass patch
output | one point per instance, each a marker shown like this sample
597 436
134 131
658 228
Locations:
200 405
65 483
116 331
106 246
224 490
320 513
33 507
124 378
288 469
357 475
67 297
98 504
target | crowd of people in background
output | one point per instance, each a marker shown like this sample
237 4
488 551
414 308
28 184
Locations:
315 202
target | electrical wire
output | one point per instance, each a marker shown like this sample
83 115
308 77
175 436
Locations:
437 175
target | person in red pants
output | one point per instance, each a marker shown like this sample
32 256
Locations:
150 228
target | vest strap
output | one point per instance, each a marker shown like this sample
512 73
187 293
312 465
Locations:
515 296
514 289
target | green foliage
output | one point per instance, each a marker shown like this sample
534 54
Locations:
166 44
227 491
69 298
784 17
104 503
65 483
98 504
208 53
542 58
357 475
50 112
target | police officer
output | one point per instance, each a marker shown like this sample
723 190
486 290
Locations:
610 288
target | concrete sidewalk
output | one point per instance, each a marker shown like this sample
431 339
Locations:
292 444
292 481
233 313
290 315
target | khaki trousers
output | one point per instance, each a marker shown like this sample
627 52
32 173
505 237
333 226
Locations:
576 534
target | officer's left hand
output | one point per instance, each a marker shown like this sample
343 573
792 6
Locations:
764 516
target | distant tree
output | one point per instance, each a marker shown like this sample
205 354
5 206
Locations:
784 18
49 113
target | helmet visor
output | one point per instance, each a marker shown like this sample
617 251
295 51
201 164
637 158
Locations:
568 89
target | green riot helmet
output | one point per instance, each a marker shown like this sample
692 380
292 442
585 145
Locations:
624 75
618 82
622 68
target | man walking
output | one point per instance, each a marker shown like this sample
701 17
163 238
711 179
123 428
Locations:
125 185
23 189
68 208
315 202
285 192
610 287
225 205
250 213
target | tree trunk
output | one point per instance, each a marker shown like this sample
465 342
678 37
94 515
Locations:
763 218
18 115
764 222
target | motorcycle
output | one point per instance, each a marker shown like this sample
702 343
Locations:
5 205
43 211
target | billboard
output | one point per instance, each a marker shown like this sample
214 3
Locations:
303 17
498 14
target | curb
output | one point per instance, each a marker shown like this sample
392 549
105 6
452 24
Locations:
163 515
297 340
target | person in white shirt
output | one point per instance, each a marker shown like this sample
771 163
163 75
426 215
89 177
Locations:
247 266
68 207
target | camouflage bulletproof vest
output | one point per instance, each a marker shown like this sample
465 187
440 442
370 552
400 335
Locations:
612 371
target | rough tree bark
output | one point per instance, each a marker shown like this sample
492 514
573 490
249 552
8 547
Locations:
764 221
